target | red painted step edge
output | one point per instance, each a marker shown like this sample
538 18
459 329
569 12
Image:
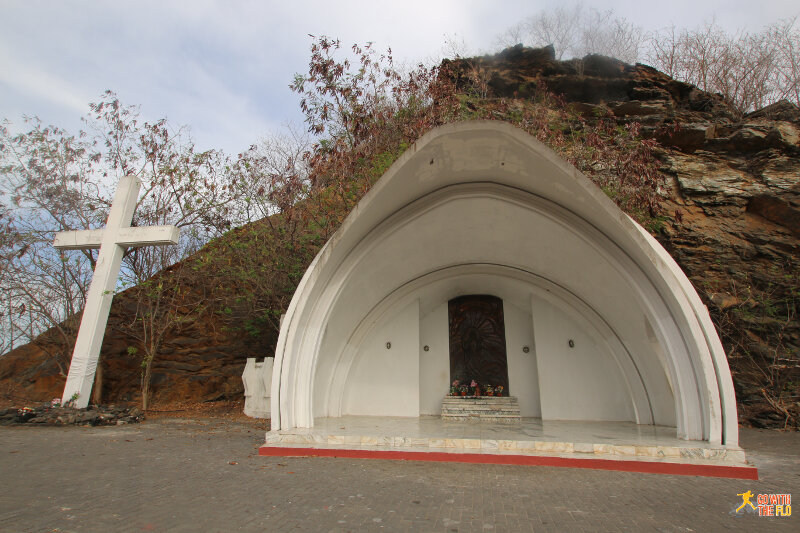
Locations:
648 467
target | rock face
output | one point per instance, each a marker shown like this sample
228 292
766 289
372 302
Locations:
203 361
732 222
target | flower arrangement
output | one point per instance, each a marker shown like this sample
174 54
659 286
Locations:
474 389
454 388
72 400
55 402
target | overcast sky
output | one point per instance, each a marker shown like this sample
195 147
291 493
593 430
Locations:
223 68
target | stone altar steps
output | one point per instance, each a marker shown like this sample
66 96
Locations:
503 409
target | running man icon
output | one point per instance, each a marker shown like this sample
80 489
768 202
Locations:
746 500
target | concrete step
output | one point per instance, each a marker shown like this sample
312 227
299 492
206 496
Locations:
477 419
481 398
468 401
482 408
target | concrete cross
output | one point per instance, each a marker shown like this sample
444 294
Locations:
112 242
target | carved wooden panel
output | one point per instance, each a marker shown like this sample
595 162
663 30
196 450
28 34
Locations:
478 340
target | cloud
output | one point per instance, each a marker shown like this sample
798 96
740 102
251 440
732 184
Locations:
223 68
27 79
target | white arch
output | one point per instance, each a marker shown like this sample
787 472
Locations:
499 170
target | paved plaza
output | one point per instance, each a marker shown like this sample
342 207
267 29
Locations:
206 475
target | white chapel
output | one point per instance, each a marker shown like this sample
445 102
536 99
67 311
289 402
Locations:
481 239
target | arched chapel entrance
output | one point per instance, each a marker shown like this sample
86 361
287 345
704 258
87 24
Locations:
483 255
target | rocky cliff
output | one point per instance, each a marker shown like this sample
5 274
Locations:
731 219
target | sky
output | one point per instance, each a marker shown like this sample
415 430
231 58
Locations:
224 68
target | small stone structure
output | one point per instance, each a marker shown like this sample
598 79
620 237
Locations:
481 409
257 378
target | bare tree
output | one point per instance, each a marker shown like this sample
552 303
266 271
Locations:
665 51
260 174
785 37
46 180
750 70
604 33
163 305
577 31
560 27
8 248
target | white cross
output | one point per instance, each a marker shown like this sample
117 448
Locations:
112 242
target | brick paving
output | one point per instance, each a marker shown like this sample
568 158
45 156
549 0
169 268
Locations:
184 475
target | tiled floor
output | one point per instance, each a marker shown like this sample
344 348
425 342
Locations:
530 437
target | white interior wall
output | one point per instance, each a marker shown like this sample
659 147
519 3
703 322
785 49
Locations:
661 388
523 376
551 381
385 382
434 365
576 383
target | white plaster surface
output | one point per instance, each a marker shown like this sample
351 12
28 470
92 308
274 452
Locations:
125 237
257 380
434 365
385 381
482 208
112 242
582 382
523 373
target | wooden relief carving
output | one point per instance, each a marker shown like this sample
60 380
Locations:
478 340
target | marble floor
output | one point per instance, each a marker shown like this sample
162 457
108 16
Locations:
533 436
